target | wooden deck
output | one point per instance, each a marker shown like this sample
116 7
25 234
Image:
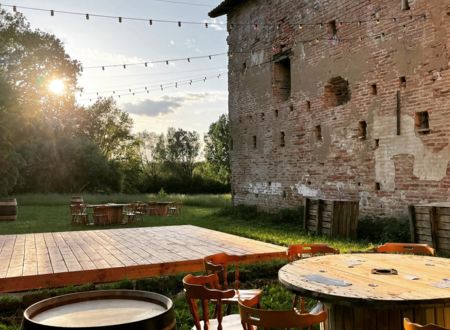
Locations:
45 260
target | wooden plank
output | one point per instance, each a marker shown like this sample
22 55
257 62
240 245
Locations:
412 223
433 224
319 217
305 213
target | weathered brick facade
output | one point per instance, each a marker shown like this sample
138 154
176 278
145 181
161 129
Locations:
362 113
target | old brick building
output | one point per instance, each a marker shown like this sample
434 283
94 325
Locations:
341 99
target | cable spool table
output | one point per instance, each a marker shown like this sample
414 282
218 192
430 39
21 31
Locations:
374 291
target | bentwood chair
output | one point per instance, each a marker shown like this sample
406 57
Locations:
300 251
78 213
218 264
405 248
203 290
408 325
254 318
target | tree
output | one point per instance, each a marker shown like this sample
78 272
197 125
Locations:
217 148
182 149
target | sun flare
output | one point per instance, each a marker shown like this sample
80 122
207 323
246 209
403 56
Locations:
56 86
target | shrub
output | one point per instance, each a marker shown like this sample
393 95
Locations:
384 230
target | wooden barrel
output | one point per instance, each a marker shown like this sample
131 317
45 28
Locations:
101 310
76 200
8 210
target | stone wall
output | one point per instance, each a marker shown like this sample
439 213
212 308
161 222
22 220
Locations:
361 113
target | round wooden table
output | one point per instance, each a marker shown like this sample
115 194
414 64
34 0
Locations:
357 298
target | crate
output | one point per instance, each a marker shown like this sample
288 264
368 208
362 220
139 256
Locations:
335 218
430 224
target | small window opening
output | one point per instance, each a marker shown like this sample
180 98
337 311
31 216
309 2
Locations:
377 143
256 195
308 105
332 28
244 67
282 79
374 89
402 81
276 113
362 130
254 141
284 194
318 130
291 107
422 122
405 5
377 186
270 183
282 139
336 92
262 116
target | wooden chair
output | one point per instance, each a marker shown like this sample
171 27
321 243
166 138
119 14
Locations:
79 214
203 289
300 251
218 264
139 210
100 215
408 325
175 209
253 318
128 213
405 248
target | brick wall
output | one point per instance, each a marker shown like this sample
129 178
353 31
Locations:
308 144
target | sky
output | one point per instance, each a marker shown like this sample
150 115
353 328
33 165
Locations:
102 41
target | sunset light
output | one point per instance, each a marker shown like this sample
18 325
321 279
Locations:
56 86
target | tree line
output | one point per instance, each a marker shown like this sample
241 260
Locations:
49 143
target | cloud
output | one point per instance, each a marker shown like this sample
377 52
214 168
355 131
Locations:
169 104
153 108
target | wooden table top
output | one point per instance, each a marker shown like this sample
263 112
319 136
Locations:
348 279
107 205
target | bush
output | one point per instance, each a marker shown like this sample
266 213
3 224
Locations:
384 230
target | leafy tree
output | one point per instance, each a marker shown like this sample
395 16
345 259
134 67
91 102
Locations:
217 148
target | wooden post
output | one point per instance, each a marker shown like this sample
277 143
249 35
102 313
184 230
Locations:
434 226
305 214
398 112
319 216
412 223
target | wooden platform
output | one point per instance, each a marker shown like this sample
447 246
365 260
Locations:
45 260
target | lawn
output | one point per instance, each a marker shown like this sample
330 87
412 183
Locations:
44 213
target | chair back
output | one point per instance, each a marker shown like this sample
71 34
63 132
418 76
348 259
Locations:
408 325
253 318
405 248
77 209
218 264
299 251
203 289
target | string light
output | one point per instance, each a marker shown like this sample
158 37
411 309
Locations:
188 59
231 26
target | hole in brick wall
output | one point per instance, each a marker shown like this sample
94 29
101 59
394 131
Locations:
377 143
362 130
359 184
270 183
284 194
256 195
402 82
276 113
309 182
405 5
254 141
282 139
332 28
374 89
318 131
244 66
377 186
308 105
336 92
421 120
262 116
291 108
282 79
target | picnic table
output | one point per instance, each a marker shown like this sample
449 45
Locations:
374 291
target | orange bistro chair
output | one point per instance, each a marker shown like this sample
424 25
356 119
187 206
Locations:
203 289
300 251
405 248
253 318
218 264
408 325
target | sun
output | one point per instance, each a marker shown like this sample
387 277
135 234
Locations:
56 86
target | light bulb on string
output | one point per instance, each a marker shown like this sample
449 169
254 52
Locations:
179 24
167 62
120 19
206 25
124 66
146 64
150 22
87 17
52 12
